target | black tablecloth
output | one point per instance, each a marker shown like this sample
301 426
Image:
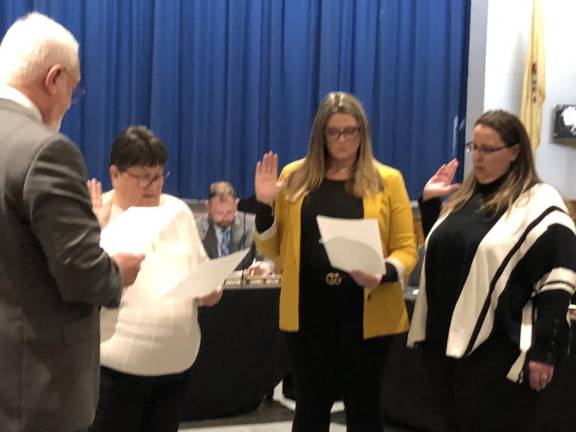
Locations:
242 355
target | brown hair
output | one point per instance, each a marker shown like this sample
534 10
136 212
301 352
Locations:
309 175
521 176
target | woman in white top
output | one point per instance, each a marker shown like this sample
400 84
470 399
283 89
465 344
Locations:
149 343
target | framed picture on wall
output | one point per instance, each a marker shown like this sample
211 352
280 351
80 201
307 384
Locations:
565 121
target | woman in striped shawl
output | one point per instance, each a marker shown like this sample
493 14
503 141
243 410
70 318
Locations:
499 272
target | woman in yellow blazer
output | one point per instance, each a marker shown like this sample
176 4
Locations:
338 324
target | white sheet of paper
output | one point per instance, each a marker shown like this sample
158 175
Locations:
207 276
352 244
164 267
135 229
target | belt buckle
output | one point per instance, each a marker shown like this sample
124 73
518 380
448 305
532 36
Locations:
333 279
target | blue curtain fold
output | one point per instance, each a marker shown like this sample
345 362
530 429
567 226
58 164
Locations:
223 81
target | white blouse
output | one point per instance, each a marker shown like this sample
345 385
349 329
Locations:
148 334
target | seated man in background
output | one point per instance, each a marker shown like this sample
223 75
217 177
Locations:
224 229
149 343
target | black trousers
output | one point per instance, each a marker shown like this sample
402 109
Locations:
330 359
473 393
133 403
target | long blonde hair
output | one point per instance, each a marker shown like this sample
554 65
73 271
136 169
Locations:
521 176
365 179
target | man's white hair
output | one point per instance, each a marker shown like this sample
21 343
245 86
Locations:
31 46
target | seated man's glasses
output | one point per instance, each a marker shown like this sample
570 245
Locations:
485 150
335 133
145 180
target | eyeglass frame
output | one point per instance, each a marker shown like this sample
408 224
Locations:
471 146
79 90
335 133
145 181
78 93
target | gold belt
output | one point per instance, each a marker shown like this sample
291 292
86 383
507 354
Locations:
333 278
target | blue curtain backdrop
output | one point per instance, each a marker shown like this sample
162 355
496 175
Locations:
223 81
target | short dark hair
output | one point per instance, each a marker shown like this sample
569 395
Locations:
221 190
137 145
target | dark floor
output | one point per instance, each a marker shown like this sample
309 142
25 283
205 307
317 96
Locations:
271 411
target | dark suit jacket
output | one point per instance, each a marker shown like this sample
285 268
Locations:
53 276
241 236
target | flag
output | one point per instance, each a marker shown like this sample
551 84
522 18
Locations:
534 89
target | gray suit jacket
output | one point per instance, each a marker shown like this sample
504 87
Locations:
53 276
241 236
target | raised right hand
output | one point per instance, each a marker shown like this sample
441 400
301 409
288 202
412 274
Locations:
129 265
266 183
440 184
100 210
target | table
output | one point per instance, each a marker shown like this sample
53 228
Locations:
242 354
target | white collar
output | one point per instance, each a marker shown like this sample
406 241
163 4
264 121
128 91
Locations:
15 95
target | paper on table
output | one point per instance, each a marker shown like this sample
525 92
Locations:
352 244
135 229
207 276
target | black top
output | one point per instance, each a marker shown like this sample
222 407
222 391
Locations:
330 199
451 249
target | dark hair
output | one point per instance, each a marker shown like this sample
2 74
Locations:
137 145
222 190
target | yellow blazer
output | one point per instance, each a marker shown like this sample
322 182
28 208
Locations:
384 308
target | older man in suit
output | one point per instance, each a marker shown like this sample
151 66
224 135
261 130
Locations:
53 273
224 229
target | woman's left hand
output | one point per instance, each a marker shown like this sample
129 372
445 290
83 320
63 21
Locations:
540 374
366 280
211 299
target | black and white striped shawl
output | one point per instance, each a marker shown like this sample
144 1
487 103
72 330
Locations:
499 252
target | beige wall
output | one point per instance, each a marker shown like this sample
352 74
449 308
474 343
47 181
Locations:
498 45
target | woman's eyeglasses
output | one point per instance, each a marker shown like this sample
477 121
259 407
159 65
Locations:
145 180
485 150
335 133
